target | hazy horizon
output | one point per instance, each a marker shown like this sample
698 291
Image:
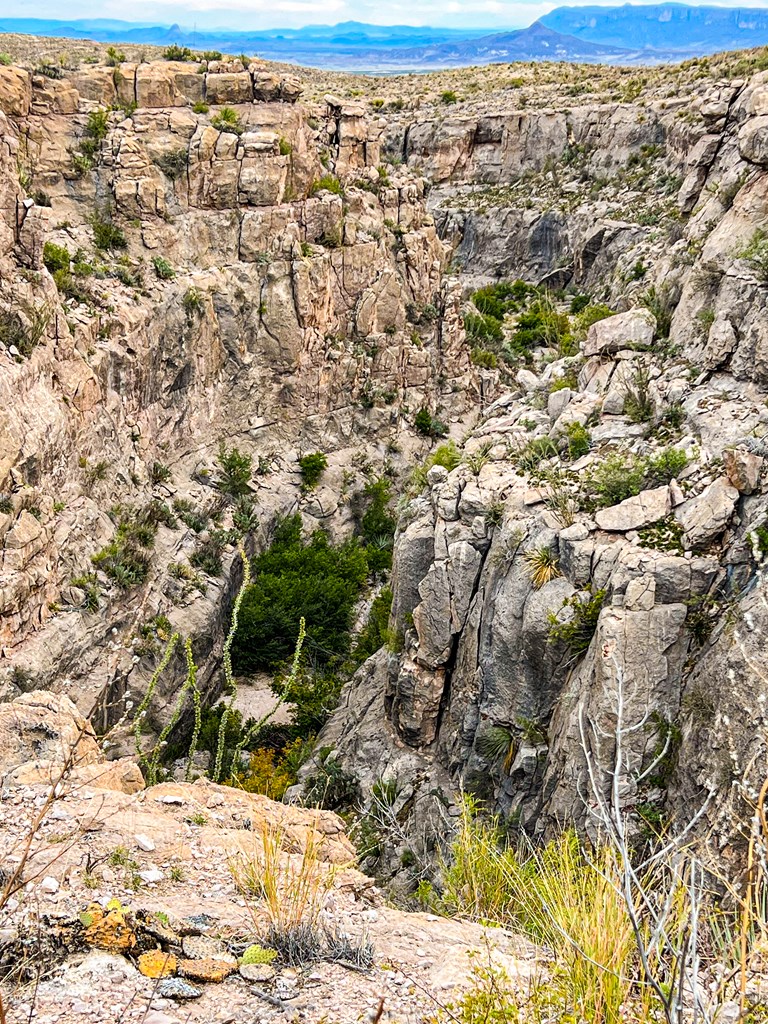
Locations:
262 15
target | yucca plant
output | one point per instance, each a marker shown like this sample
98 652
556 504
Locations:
543 566
498 746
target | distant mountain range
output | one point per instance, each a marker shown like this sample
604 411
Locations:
631 34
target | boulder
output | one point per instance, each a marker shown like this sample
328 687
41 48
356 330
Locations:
15 91
641 510
743 469
625 330
43 726
753 141
706 516
721 343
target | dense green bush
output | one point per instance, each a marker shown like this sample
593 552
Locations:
106 235
428 425
175 52
297 578
375 633
328 183
377 524
163 268
312 466
541 326
56 257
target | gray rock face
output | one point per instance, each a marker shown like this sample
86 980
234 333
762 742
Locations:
705 517
635 327
645 508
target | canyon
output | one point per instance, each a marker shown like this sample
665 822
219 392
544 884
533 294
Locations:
295 263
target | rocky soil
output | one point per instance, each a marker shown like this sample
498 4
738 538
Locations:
167 858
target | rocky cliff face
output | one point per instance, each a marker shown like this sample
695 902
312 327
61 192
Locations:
242 299
655 198
252 301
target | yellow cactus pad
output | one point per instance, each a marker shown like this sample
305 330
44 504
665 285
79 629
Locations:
111 931
157 964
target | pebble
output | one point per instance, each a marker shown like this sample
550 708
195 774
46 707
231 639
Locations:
49 884
151 875
144 843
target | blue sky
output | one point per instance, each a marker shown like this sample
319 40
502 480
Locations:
255 14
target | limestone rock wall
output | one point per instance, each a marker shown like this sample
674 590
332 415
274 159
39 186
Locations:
249 301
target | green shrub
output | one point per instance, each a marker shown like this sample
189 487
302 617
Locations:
446 455
56 257
285 147
200 108
97 125
666 466
638 404
659 302
579 303
755 252
483 358
328 183
227 120
534 452
175 52
483 330
377 525
193 302
579 440
192 517
614 479
448 96
174 163
126 559
375 634
427 425
541 326
114 57
297 578
163 268
24 332
577 632
236 471
208 552
312 466
106 235
6 59
210 55
589 315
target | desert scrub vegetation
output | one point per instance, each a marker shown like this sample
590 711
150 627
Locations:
574 625
618 476
23 327
227 120
428 425
446 455
126 559
107 236
755 253
328 183
235 469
